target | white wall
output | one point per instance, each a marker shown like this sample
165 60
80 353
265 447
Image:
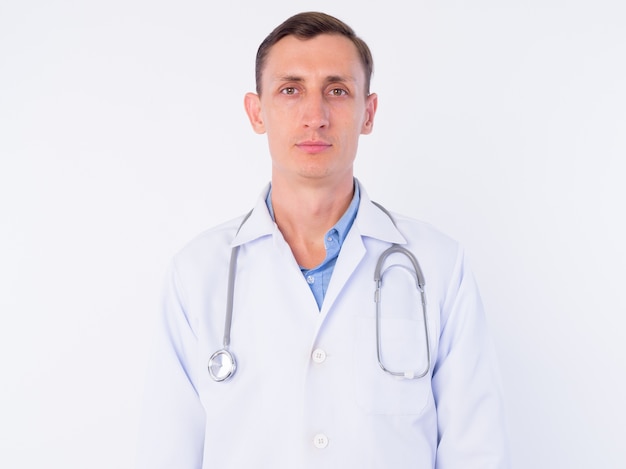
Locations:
122 135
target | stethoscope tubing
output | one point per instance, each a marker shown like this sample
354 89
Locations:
420 285
224 355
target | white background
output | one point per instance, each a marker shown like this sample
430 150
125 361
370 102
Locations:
123 135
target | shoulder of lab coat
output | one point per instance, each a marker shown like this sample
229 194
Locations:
472 431
172 427
466 384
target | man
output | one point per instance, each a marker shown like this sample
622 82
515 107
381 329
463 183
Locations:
325 377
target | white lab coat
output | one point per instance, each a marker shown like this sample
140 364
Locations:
308 391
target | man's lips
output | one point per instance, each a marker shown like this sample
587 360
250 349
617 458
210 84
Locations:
313 146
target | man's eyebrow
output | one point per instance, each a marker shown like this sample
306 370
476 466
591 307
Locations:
290 78
328 79
339 79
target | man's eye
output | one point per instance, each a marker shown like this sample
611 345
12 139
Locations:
288 90
338 92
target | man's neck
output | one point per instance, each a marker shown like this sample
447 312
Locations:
304 213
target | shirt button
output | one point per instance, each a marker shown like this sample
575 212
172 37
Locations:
320 441
310 279
318 355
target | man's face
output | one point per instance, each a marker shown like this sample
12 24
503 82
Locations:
313 107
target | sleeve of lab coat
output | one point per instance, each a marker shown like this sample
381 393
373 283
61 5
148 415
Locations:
466 383
173 420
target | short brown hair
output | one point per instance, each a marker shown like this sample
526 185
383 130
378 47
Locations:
307 26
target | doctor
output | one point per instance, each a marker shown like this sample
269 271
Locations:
325 376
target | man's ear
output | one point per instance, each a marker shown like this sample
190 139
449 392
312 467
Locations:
252 103
371 105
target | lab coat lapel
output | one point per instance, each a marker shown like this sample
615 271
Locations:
352 252
371 222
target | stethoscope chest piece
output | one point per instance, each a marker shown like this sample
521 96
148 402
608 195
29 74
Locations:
222 365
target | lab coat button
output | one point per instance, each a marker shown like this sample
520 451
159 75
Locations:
319 355
320 441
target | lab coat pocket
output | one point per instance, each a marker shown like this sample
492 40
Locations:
403 351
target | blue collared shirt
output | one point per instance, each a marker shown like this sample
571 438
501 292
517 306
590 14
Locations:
318 277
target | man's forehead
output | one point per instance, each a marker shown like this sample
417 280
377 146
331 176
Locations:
327 46
331 55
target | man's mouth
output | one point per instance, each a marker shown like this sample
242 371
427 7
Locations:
313 146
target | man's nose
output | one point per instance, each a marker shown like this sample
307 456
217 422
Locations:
315 112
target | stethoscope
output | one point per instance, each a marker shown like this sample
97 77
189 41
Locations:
222 364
